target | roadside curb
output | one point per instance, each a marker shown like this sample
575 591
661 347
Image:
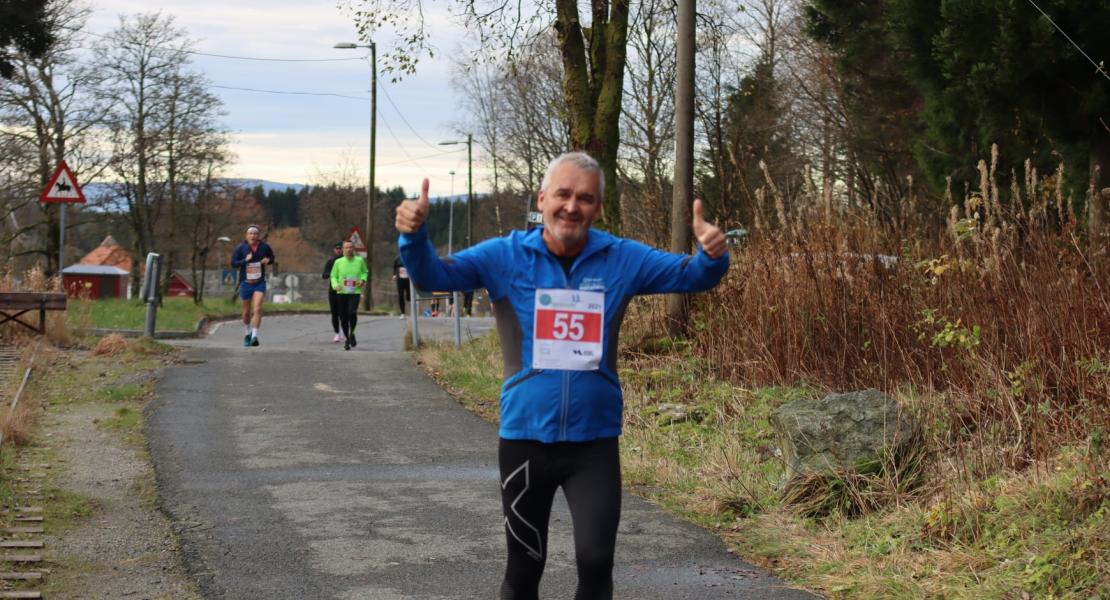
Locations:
201 328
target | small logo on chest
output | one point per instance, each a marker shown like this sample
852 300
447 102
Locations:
595 284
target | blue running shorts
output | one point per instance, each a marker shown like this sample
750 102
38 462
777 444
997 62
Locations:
247 290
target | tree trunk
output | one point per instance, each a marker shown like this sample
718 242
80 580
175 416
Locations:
592 91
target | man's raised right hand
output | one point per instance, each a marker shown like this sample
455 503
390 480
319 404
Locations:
412 213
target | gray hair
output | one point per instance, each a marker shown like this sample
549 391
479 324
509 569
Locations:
582 161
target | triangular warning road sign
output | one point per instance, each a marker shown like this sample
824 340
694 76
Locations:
62 187
355 238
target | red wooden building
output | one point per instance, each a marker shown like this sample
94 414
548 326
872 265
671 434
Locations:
179 286
103 273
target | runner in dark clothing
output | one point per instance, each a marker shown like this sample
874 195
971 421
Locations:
251 258
401 276
333 296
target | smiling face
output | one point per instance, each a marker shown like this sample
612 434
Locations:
570 202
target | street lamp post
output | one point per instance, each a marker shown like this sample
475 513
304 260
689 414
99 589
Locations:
469 180
372 192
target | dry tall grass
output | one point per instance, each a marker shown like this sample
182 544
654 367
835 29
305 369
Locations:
1002 318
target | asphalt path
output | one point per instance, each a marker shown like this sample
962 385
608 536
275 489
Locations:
298 470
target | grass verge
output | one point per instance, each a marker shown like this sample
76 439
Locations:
1042 531
175 314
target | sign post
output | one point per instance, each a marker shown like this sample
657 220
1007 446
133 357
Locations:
62 189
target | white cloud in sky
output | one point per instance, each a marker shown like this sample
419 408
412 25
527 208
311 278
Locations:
291 138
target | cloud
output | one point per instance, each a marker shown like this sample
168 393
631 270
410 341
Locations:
291 138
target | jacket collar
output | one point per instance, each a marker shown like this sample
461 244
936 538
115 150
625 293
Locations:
596 241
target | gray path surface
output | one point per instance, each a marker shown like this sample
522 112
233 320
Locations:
298 470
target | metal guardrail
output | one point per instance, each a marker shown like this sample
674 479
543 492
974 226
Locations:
416 296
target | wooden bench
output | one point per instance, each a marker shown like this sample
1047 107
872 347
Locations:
15 304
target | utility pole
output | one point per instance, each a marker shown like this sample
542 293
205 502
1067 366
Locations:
677 306
469 188
371 192
369 300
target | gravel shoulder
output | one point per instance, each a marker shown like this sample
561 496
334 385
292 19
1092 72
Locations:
105 535
125 548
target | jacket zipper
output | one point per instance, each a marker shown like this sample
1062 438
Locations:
565 404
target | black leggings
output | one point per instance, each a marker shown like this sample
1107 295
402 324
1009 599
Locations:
403 293
590 475
333 303
348 312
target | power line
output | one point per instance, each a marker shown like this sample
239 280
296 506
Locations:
256 58
406 121
1098 66
413 160
243 89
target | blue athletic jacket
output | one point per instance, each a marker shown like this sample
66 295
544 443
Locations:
551 405
239 258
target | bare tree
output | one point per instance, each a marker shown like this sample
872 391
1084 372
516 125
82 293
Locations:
592 52
162 124
46 114
648 121
333 203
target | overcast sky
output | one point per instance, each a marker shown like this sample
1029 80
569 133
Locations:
307 138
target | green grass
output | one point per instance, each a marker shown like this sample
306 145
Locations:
65 508
175 314
1040 532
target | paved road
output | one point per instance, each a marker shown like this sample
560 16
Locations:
298 470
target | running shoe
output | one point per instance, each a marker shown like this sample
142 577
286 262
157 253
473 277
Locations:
247 340
402 317
352 340
338 338
347 344
254 341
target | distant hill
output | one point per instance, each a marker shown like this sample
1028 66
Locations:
267 186
96 190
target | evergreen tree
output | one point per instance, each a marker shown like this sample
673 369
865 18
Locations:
978 72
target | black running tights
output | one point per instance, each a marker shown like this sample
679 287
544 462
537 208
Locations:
589 473
348 312
333 304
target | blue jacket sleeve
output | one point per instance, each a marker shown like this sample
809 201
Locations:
659 272
237 257
461 271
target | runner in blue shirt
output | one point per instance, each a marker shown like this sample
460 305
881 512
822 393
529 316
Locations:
251 258
559 293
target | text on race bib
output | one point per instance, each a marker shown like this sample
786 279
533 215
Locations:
254 271
350 284
568 329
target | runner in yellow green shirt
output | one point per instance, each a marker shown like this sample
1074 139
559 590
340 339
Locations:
348 277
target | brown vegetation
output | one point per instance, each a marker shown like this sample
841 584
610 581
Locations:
110 345
1001 317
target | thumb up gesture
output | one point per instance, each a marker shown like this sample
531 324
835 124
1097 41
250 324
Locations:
709 236
412 213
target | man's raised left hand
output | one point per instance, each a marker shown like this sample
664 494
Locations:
708 235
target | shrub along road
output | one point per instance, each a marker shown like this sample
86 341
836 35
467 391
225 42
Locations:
298 470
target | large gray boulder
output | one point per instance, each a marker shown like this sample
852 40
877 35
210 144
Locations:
854 431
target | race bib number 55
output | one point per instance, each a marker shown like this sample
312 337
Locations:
567 330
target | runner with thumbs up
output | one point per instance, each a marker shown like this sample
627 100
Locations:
559 294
